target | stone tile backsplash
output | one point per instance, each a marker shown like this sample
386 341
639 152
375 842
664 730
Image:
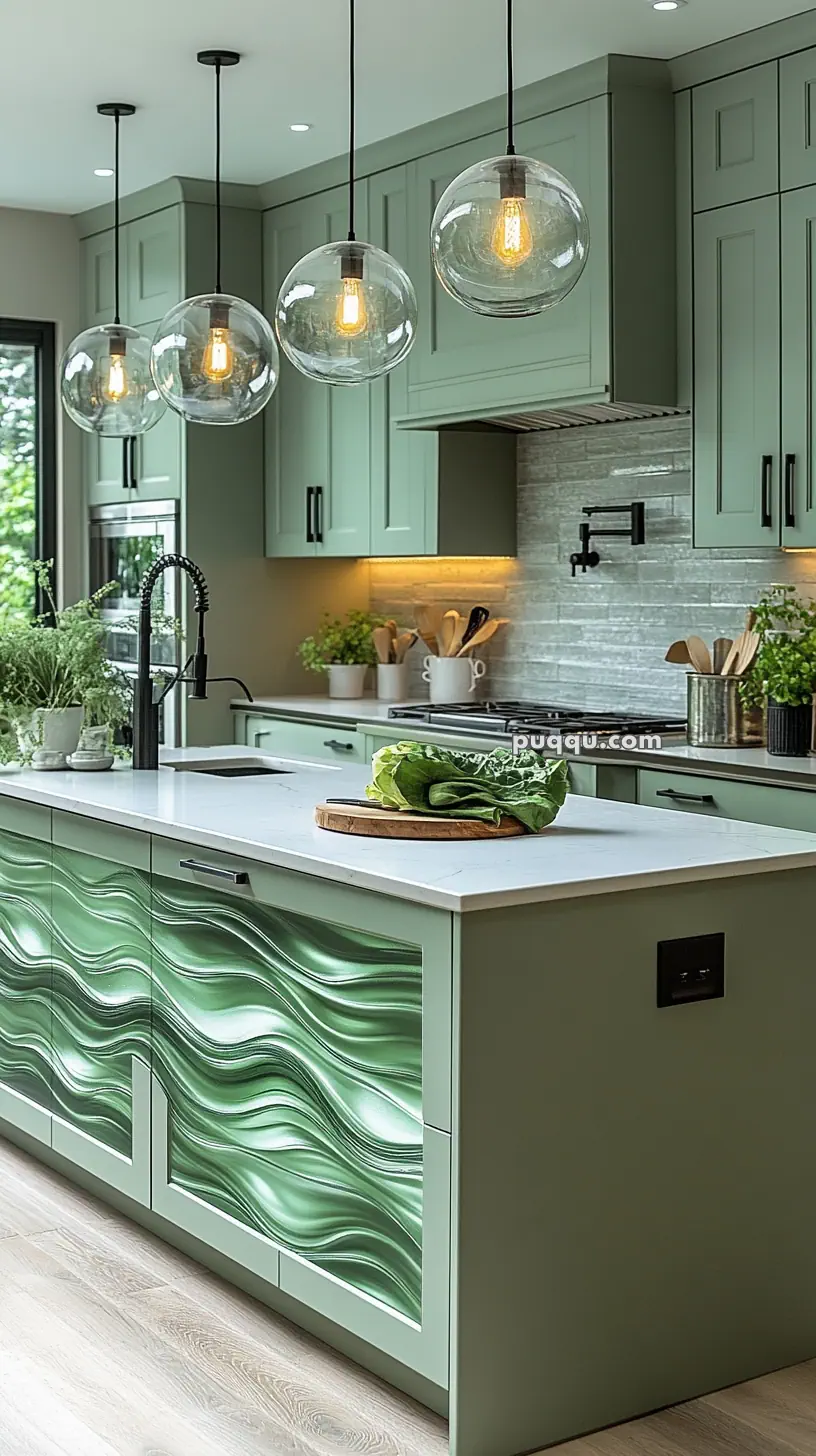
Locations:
597 641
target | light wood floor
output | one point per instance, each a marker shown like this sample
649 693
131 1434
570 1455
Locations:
112 1344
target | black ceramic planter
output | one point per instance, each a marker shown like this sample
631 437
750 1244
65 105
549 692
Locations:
790 730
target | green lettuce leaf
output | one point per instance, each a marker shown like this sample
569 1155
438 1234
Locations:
428 779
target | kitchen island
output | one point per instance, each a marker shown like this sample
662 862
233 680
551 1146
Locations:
477 1114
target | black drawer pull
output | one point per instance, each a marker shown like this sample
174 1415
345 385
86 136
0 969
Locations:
685 798
790 491
310 530
338 747
235 877
767 483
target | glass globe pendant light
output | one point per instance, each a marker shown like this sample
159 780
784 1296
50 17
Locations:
105 380
214 358
509 237
347 312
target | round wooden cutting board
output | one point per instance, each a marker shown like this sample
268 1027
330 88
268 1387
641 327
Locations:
394 824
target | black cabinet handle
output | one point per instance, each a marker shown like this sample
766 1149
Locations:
685 798
134 477
235 877
318 513
790 490
126 463
310 535
767 484
338 747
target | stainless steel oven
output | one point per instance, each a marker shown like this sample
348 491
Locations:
125 540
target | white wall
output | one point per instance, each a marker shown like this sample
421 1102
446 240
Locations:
39 279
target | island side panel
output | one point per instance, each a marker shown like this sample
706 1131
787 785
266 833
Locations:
634 1192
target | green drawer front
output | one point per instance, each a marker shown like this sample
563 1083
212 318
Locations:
332 742
729 799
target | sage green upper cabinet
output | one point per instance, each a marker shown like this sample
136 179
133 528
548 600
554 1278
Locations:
154 266
464 364
736 137
317 436
797 119
98 280
737 375
799 366
157 460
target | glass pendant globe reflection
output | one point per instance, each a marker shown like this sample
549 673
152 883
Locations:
215 360
509 237
346 314
106 384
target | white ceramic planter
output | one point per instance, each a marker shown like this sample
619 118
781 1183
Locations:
56 733
392 682
346 681
452 679
94 751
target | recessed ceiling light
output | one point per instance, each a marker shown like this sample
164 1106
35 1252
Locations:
667 4
301 126
103 171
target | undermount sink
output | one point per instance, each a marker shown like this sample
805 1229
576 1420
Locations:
239 771
235 766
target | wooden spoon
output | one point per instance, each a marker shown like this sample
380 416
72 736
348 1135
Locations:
458 635
747 652
727 669
699 654
384 643
447 632
722 647
429 621
403 644
678 652
483 635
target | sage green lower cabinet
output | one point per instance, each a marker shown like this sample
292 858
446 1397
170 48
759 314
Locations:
329 742
737 490
25 967
290 1050
101 957
777 807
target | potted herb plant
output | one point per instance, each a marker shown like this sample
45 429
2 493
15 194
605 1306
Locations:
784 670
344 649
54 678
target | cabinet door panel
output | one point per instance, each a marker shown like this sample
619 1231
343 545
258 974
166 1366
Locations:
799 366
737 375
159 456
101 995
154 265
797 119
25 982
290 1051
736 131
466 362
105 468
98 296
403 462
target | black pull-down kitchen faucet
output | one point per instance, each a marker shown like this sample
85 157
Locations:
146 702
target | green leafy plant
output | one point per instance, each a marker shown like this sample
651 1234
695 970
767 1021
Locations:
344 642
426 779
785 665
57 661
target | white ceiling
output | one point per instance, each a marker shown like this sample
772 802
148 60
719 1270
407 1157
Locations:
418 59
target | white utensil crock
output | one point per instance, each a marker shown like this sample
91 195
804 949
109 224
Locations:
346 680
392 682
452 679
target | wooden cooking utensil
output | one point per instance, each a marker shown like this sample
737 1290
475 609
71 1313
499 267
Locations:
699 654
722 647
678 652
446 633
384 643
403 644
747 652
477 619
429 621
727 669
483 635
392 627
458 635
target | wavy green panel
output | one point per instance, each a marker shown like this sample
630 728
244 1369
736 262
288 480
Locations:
291 1053
25 967
101 992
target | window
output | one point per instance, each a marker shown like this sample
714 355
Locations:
28 485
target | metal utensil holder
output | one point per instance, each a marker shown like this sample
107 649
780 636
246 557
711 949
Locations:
717 716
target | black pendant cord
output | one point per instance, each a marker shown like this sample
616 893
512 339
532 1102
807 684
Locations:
116 276
218 176
511 149
352 109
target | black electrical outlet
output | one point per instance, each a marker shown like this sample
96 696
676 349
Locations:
692 969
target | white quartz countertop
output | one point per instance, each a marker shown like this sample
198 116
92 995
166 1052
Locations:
747 763
595 846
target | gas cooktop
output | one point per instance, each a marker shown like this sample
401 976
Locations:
506 717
